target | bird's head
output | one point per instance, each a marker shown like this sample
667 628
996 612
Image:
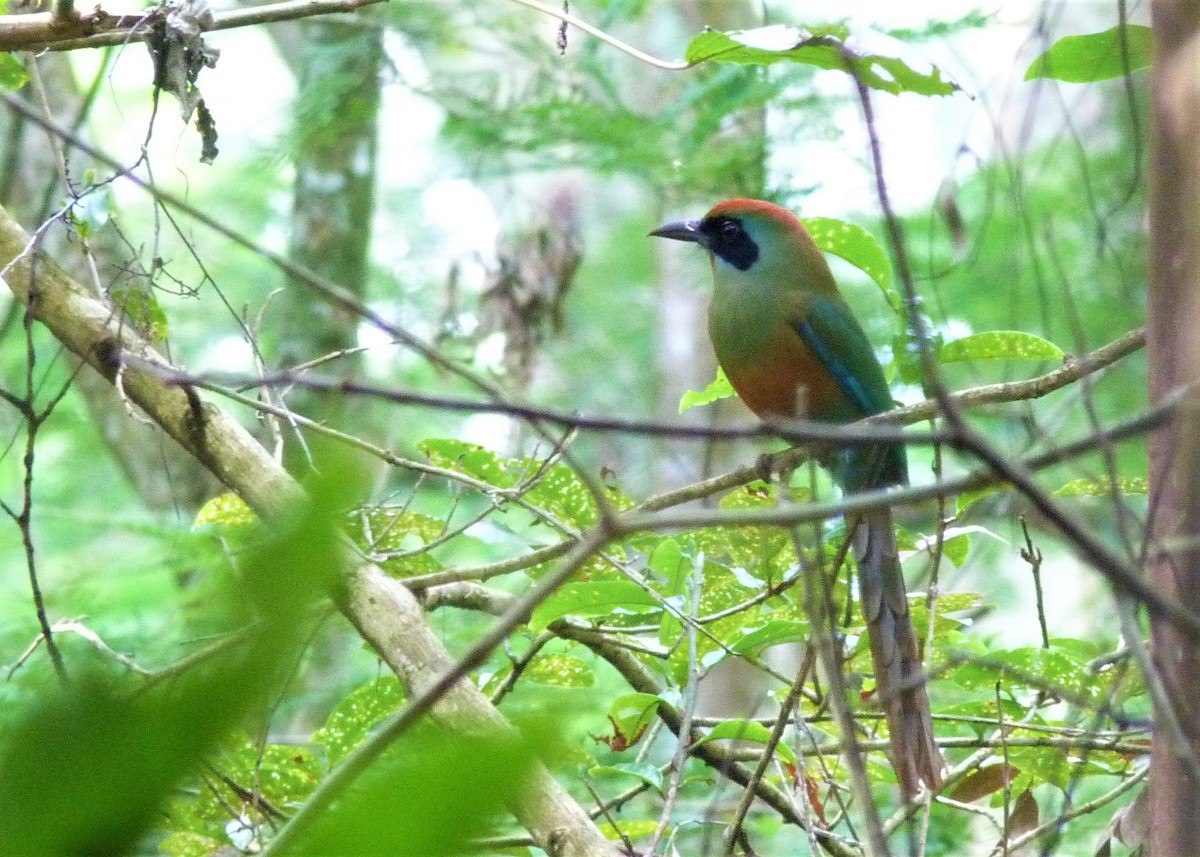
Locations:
746 236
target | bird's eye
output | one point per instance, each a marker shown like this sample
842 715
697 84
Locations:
730 229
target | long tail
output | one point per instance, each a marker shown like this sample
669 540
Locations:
899 680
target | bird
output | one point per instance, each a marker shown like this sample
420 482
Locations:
791 348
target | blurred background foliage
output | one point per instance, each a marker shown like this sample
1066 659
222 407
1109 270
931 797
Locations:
498 191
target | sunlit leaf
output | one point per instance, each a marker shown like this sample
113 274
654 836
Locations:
671 566
189 844
820 47
397 538
718 388
226 510
629 716
954 602
1095 56
144 310
1128 486
999 345
354 717
629 829
560 671
854 244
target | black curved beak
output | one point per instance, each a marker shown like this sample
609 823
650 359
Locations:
682 230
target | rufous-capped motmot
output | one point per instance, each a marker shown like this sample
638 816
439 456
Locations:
791 347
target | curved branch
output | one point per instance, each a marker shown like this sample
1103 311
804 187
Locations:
89 328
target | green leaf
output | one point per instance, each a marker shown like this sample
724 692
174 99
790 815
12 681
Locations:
999 345
718 388
822 48
114 757
956 542
143 309
12 73
1134 486
668 563
397 536
470 459
452 788
556 489
629 829
188 844
348 724
1094 57
748 730
594 598
644 771
629 715
854 244
560 671
225 510
773 633
954 602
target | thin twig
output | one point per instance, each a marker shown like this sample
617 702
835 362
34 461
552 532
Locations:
1033 556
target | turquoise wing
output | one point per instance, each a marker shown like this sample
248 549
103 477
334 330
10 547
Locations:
835 336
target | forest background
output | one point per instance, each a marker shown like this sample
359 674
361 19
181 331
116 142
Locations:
404 247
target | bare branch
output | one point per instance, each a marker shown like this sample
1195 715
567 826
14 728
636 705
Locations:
60 30
88 327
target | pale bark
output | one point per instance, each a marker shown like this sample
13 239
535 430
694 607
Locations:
382 610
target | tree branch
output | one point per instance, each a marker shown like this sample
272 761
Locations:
51 31
89 328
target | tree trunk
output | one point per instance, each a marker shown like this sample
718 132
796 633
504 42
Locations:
1173 354
337 109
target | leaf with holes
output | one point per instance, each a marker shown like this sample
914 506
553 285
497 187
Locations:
999 345
348 724
1135 486
852 243
560 671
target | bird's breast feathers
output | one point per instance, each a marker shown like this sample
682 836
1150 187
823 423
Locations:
783 378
